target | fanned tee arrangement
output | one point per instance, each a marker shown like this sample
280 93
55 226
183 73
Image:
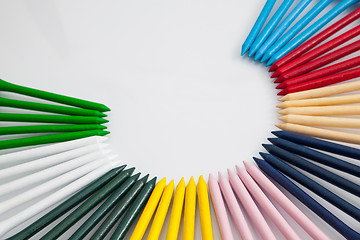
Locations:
316 64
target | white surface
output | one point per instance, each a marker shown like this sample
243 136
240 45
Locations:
184 103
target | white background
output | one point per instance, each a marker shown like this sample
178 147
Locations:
184 103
